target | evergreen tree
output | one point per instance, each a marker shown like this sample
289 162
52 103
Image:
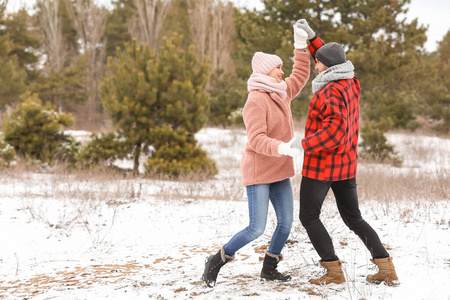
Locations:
68 31
25 41
436 89
104 148
228 94
66 87
128 96
177 154
143 94
117 32
177 22
12 77
35 130
255 33
181 81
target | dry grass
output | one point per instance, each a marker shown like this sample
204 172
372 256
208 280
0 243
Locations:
81 194
384 186
64 199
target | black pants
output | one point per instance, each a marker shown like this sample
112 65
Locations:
312 195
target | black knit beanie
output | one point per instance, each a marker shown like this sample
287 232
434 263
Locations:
331 54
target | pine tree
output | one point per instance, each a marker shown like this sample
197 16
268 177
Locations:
25 41
255 33
177 154
12 77
66 87
117 32
442 107
128 96
68 31
434 92
104 148
35 130
181 82
143 94
228 94
177 22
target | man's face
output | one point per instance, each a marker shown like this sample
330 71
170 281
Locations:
320 66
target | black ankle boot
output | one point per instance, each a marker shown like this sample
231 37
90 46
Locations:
212 267
269 269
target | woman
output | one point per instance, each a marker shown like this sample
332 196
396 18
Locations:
267 163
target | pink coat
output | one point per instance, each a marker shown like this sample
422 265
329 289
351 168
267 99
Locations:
268 121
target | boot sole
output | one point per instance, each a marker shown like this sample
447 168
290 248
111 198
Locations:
388 283
280 280
208 284
326 282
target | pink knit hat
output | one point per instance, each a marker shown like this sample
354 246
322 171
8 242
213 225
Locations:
264 63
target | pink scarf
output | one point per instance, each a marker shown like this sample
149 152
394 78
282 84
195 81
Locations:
258 81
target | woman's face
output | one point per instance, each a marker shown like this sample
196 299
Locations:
277 73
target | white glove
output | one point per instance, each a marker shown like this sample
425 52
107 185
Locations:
286 149
300 37
303 24
297 144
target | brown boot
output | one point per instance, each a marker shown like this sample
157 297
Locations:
386 272
334 273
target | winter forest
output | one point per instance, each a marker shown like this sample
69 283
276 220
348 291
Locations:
146 74
122 134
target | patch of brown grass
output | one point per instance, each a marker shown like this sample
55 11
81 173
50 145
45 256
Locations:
79 278
378 184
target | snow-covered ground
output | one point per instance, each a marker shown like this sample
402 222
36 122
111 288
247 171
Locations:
73 236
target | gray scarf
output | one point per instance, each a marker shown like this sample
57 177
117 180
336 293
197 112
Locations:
336 72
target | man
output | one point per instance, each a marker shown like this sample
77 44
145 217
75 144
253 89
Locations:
330 160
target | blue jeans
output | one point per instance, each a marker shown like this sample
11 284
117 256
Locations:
281 196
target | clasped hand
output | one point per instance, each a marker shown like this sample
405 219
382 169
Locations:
292 148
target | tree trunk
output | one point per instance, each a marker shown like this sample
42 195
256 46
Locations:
89 20
221 35
51 27
137 154
147 24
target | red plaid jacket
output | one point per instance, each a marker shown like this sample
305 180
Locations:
332 128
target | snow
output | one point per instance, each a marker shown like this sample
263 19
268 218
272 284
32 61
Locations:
76 236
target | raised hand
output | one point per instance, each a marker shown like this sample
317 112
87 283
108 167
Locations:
300 37
303 24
